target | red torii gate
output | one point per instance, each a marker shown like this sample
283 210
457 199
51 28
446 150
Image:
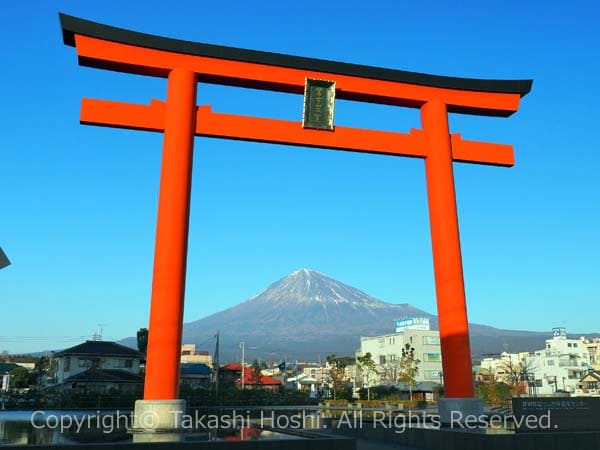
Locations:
184 64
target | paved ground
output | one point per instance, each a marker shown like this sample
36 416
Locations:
367 444
363 444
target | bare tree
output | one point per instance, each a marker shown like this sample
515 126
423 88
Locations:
408 367
367 367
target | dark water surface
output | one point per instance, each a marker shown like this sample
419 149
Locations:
80 427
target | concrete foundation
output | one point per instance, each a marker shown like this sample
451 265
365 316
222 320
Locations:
151 416
454 411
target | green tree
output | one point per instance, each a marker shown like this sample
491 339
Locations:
21 378
142 341
367 367
408 367
44 367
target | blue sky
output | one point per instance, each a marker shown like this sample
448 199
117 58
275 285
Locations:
79 203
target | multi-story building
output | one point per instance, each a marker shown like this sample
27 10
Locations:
560 366
318 373
189 355
386 351
593 348
98 366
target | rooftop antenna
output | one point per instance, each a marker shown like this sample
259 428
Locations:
101 325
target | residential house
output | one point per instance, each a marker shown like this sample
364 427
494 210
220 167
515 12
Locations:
5 369
590 383
195 376
100 367
231 372
260 381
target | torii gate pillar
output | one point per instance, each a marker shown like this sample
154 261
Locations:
447 264
160 407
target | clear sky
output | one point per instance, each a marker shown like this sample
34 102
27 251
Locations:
78 203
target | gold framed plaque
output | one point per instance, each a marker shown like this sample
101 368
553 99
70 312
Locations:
319 103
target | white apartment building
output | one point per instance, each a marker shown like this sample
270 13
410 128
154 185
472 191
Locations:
561 365
386 351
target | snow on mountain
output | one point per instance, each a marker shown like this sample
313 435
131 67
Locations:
304 313
307 315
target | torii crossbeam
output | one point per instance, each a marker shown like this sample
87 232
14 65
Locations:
184 64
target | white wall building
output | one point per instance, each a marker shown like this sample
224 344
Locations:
386 351
505 365
593 348
560 366
189 355
99 366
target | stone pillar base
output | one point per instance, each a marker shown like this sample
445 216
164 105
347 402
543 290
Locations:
152 416
454 411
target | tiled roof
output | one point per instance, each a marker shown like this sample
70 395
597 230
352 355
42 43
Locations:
595 376
234 367
99 348
264 379
7 367
105 376
195 369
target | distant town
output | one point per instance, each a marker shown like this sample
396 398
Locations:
405 365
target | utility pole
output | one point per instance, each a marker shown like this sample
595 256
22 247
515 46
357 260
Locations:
216 364
355 376
243 347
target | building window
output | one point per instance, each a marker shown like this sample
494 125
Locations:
550 362
569 344
67 364
432 357
89 363
124 363
433 374
431 340
574 344
381 360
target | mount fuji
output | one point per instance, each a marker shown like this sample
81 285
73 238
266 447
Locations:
307 315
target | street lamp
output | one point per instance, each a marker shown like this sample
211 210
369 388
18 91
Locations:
4 261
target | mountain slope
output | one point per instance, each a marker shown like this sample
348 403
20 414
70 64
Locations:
302 310
307 315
